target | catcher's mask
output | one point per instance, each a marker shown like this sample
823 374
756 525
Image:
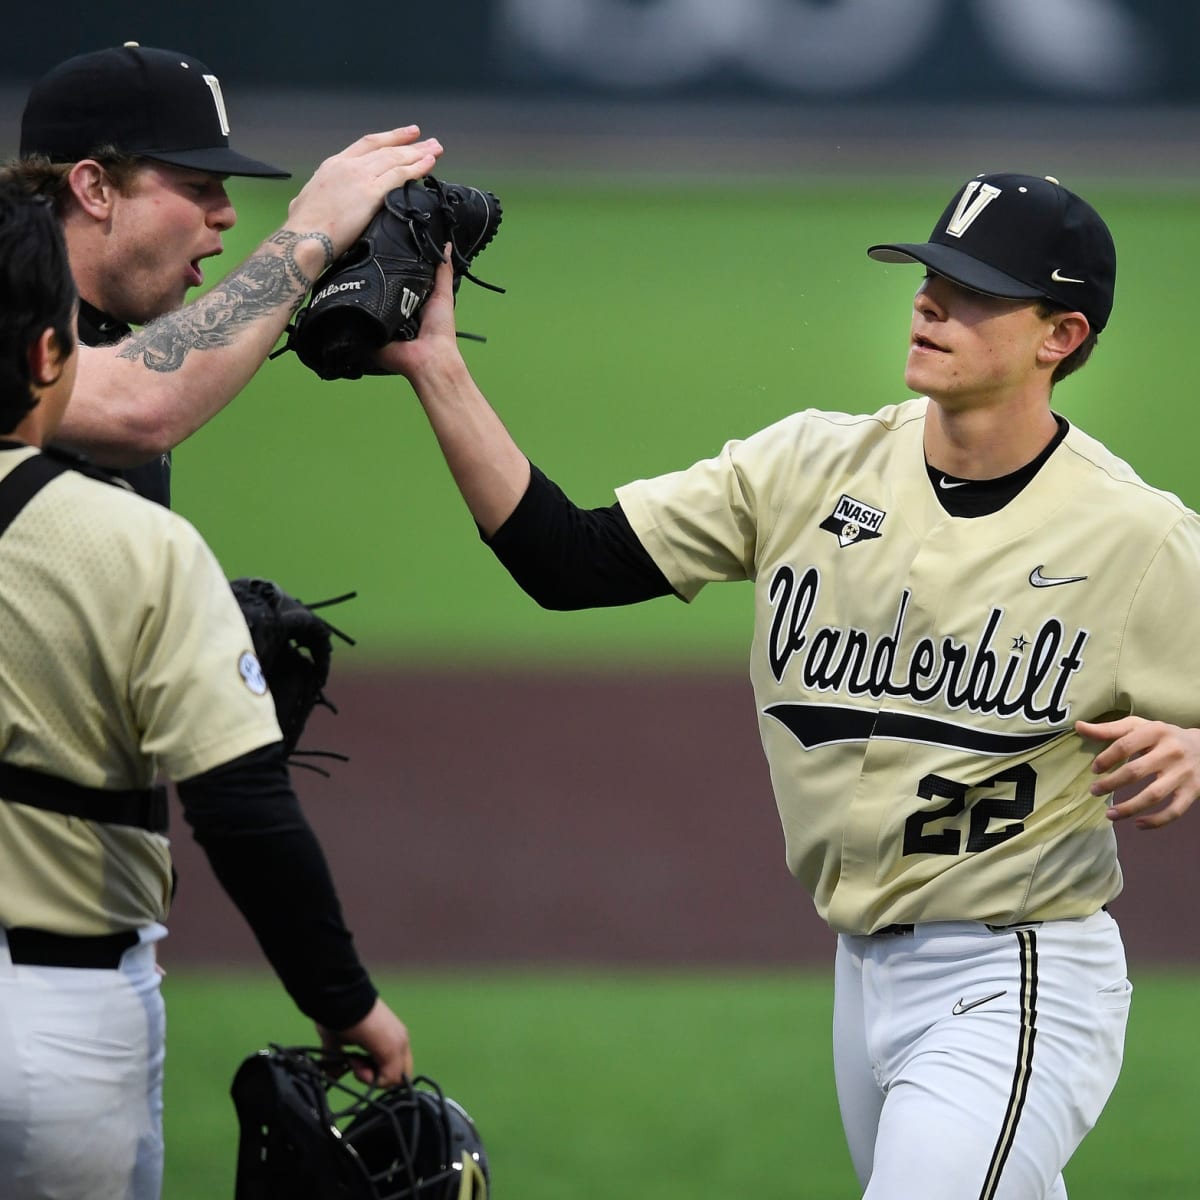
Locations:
311 1131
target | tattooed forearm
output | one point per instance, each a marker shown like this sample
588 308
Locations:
289 240
264 284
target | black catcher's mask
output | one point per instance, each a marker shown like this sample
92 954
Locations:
311 1131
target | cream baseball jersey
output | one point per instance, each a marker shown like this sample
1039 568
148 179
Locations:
917 675
125 657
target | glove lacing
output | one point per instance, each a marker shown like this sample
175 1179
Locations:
322 699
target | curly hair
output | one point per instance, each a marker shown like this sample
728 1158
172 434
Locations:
37 293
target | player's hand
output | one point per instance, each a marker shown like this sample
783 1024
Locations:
436 338
384 1037
347 189
1153 767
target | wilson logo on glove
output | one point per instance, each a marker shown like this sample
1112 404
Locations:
373 294
351 285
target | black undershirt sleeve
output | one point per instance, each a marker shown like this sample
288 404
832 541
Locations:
567 557
265 855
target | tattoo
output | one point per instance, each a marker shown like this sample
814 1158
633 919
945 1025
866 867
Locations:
261 285
289 240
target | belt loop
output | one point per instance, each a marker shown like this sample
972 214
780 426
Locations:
6 962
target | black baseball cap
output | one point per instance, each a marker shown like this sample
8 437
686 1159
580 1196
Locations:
1021 236
146 102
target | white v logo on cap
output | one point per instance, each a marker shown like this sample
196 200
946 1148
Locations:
214 86
975 198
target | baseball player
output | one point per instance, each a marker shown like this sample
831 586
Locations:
125 656
132 144
958 653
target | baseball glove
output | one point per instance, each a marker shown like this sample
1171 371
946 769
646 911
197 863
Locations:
294 647
373 294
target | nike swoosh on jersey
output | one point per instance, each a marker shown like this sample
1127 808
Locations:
1039 580
947 484
960 1008
1059 277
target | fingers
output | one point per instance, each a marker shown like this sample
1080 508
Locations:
1152 804
393 1062
414 162
1150 768
402 146
1112 732
384 1038
437 313
376 156
347 189
443 280
400 136
1127 738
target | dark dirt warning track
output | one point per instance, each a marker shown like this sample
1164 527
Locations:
535 819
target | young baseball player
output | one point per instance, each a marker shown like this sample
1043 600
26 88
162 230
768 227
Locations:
132 144
958 654
125 657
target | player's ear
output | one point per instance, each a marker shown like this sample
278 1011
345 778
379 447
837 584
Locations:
93 188
46 359
1068 331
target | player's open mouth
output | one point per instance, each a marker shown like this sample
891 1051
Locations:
195 274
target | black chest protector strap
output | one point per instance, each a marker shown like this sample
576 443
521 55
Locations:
24 482
143 808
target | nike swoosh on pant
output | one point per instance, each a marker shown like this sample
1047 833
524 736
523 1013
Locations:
960 1008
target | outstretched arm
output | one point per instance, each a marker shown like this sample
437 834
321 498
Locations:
489 468
149 392
563 556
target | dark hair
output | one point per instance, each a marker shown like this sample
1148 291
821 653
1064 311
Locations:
37 293
1078 356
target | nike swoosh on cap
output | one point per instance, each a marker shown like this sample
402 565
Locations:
1059 277
1039 580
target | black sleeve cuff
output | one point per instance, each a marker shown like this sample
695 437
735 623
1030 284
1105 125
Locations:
567 557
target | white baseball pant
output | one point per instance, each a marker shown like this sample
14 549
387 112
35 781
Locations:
81 1068
972 1060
